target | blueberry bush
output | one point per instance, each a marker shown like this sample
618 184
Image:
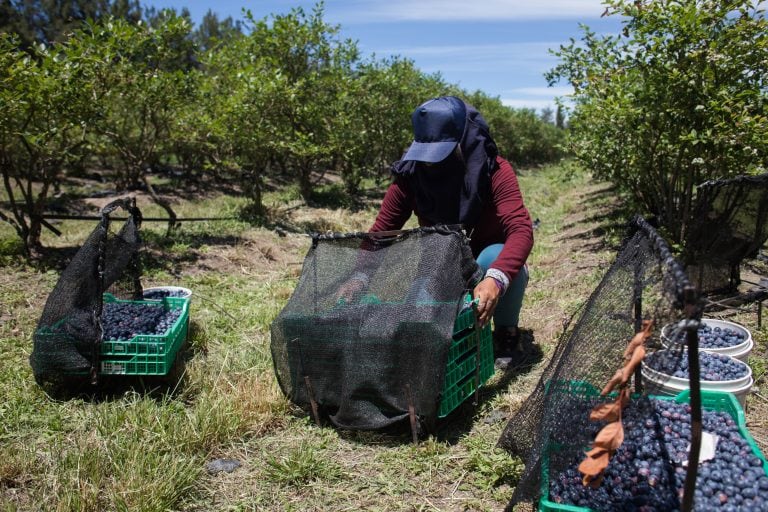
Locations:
47 109
677 98
279 104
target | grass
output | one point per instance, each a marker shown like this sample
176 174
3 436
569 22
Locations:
301 465
144 446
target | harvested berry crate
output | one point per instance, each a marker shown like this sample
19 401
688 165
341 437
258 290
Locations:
124 352
470 362
736 478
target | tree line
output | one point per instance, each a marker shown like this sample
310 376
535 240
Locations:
111 87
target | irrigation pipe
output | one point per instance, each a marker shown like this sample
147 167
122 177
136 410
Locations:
221 309
144 219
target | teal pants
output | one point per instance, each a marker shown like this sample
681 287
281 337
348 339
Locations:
507 312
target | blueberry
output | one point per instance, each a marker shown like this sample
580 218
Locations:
748 492
640 476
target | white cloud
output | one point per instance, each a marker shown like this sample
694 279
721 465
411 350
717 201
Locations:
469 66
525 49
536 97
493 68
548 92
528 58
373 11
536 104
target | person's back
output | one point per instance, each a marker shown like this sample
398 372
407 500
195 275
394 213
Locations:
452 174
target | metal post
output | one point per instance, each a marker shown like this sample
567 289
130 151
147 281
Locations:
100 273
638 310
312 401
412 414
638 328
692 338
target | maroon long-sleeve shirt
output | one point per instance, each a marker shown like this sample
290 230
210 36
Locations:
503 221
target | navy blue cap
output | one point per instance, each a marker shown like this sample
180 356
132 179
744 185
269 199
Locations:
438 126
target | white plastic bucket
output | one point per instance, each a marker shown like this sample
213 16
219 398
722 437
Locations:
743 355
657 383
740 351
176 291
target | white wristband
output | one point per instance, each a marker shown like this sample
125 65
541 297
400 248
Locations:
360 276
499 276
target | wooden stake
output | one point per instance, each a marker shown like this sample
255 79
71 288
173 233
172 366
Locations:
312 400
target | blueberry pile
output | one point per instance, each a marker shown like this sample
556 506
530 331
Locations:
163 293
716 337
646 472
124 320
712 366
576 408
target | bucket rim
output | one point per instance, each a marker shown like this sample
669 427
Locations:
661 378
667 342
171 288
720 384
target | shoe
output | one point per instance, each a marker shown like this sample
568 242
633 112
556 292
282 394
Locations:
506 342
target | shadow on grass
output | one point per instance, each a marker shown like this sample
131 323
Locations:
332 197
55 258
600 194
279 221
608 218
452 428
157 254
336 196
169 253
114 387
590 241
168 180
165 252
158 251
192 240
610 230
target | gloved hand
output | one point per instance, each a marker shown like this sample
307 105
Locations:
487 293
350 289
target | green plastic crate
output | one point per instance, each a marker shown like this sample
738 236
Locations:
146 354
460 380
710 401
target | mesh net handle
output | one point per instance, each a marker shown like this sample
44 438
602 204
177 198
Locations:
393 234
688 300
129 205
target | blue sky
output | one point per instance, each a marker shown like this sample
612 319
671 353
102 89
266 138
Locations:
497 46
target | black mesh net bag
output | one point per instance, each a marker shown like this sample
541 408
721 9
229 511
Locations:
66 341
556 429
365 361
730 223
